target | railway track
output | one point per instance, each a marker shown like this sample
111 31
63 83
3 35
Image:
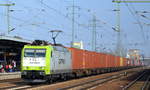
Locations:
18 85
91 83
84 83
10 83
146 85
140 83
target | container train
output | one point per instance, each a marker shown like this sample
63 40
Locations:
42 63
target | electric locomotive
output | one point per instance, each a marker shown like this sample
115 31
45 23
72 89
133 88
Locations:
45 63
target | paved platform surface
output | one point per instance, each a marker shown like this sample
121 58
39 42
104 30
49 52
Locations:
10 75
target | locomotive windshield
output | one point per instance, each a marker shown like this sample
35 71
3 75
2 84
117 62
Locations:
34 53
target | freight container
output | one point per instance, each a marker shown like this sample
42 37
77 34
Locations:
100 60
103 60
93 60
125 62
113 60
118 61
106 60
83 59
88 59
78 58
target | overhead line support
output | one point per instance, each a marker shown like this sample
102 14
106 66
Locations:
118 15
8 21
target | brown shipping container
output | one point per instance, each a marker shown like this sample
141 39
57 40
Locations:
100 61
108 60
88 59
78 61
82 59
103 60
125 62
93 60
118 61
113 60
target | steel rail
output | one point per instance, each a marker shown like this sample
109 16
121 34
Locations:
103 80
133 82
146 84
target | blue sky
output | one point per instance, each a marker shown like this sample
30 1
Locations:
33 19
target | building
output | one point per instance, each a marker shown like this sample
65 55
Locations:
10 49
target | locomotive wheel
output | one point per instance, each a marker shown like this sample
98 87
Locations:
49 81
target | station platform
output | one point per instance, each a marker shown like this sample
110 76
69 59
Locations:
10 75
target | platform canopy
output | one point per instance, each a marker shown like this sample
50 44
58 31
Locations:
7 42
10 48
16 41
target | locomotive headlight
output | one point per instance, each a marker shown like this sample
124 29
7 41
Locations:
41 73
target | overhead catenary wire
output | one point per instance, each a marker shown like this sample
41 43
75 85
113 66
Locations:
21 20
31 20
139 23
106 24
136 13
141 13
137 19
26 22
42 11
59 12
145 17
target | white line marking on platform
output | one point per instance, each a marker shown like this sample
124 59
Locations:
19 88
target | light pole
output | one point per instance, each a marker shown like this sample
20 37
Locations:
55 33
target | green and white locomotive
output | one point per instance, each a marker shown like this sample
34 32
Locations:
45 63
